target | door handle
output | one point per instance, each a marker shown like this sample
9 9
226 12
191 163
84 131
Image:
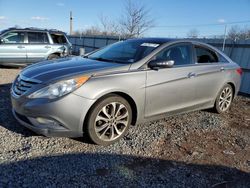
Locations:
222 69
191 75
47 47
20 47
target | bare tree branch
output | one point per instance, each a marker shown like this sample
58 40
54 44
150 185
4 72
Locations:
93 30
136 20
109 27
236 32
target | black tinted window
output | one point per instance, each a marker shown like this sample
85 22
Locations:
13 37
37 37
58 39
180 54
124 52
204 55
128 51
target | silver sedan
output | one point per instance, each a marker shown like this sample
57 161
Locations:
123 84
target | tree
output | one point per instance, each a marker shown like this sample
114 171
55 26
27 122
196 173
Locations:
193 33
109 27
93 30
135 20
233 32
236 32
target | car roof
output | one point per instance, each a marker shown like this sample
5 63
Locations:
153 40
171 40
33 29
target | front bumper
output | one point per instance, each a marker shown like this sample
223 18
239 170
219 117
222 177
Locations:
69 112
44 131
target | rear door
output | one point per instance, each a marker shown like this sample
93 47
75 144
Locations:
171 90
12 48
210 73
38 46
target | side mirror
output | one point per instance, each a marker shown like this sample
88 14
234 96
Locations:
157 64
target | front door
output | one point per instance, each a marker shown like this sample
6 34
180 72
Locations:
171 90
13 48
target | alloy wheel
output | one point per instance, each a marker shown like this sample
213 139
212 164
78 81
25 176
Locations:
225 99
111 121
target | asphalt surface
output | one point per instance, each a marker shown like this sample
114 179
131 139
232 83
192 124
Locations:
198 149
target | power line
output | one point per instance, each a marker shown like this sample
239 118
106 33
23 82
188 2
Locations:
202 25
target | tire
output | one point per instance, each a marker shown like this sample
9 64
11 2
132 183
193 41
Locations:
108 120
53 56
224 99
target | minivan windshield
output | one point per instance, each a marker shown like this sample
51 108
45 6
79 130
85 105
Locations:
2 31
128 52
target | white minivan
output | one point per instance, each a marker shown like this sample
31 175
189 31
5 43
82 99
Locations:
30 45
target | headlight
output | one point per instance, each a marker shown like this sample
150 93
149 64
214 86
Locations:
59 89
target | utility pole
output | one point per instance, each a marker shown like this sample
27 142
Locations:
71 24
225 36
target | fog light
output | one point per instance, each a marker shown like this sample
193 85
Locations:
44 122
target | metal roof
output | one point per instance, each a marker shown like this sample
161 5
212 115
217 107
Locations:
32 29
154 40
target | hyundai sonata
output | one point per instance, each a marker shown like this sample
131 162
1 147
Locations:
123 84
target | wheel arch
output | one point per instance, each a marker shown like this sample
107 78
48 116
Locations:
233 87
54 53
127 97
131 103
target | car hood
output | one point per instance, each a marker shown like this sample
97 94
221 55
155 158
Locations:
47 71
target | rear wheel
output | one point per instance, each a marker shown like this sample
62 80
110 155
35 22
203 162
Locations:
224 99
109 120
53 56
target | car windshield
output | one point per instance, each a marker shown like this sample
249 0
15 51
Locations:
128 52
2 31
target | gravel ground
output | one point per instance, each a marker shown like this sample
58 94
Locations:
198 149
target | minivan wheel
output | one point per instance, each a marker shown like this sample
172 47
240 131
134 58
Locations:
53 56
109 120
224 99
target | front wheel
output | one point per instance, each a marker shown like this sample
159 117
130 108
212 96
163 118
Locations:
109 120
224 99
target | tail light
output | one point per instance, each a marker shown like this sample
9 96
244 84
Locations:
239 71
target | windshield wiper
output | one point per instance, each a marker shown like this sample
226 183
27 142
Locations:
107 60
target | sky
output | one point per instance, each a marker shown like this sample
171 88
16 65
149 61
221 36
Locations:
172 18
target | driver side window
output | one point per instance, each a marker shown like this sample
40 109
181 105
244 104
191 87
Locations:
13 38
180 54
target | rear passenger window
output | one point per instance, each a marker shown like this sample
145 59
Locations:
205 55
58 39
37 37
180 54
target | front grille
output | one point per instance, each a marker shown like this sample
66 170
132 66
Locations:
23 84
